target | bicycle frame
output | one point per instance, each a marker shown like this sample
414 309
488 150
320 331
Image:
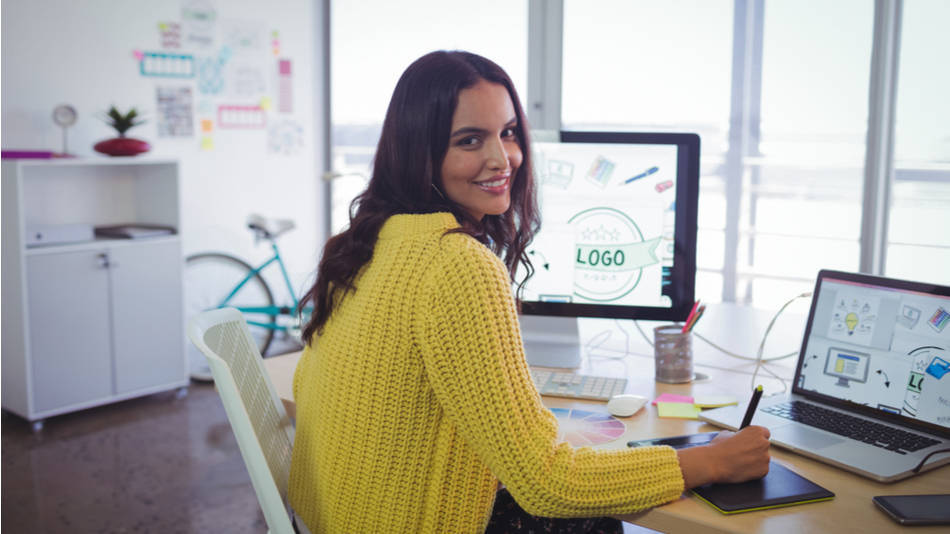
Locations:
270 311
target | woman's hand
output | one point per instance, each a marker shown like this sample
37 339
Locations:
730 457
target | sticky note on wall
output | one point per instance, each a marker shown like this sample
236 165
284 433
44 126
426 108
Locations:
285 93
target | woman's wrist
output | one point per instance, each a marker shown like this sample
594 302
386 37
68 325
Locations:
697 466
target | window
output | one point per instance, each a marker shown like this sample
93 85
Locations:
803 180
372 43
918 245
657 66
777 89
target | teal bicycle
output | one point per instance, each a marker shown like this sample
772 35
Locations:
219 280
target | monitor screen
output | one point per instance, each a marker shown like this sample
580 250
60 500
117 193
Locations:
618 226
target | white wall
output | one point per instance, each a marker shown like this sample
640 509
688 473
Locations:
81 52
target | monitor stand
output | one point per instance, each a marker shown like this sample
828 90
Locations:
551 341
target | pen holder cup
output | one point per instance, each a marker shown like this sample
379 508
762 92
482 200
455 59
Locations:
673 354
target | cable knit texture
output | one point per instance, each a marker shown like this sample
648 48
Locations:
416 401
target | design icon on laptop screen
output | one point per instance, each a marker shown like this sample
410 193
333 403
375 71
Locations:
854 319
938 367
939 320
924 358
847 365
909 317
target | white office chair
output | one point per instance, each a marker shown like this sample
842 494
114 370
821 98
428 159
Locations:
264 433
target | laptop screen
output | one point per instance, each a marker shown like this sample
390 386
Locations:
882 345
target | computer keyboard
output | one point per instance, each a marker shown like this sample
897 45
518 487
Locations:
886 437
575 386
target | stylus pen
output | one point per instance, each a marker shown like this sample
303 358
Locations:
753 404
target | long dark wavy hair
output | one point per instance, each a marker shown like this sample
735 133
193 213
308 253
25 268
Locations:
407 179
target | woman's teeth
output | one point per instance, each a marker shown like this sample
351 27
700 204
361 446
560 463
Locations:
493 183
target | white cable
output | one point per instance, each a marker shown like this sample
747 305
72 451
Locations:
642 333
720 349
596 341
758 362
741 357
600 339
626 347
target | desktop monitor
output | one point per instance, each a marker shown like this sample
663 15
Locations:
618 235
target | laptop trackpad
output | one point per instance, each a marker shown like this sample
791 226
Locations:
803 437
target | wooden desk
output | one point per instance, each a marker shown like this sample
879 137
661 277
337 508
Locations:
850 511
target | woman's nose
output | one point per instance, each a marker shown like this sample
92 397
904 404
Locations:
497 155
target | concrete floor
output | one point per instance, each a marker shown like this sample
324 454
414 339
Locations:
158 464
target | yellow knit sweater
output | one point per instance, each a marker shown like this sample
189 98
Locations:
416 401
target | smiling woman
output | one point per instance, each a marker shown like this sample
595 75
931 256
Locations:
484 153
414 400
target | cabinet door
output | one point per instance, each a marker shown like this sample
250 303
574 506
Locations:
148 314
69 325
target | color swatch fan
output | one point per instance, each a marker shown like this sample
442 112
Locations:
580 428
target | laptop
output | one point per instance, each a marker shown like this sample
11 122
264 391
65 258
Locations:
871 392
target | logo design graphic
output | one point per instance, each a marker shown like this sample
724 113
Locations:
610 254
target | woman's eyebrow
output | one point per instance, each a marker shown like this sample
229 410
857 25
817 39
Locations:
466 130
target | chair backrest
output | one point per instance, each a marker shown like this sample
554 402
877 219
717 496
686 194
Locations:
264 433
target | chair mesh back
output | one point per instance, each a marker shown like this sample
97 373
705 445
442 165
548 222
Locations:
231 343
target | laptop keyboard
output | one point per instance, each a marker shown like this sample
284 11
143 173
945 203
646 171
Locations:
884 436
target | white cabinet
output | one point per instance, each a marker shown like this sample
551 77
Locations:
95 321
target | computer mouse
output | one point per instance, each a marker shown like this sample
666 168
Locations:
625 405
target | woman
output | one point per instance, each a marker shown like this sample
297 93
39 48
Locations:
413 397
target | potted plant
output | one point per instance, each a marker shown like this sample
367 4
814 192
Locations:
122 145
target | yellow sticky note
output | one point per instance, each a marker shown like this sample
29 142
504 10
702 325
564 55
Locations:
207 143
266 103
162 26
679 410
714 401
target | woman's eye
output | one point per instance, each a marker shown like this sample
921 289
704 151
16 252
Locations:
508 132
468 141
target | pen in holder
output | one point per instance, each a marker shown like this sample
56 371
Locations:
673 353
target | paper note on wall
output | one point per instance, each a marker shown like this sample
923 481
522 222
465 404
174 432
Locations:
174 111
285 83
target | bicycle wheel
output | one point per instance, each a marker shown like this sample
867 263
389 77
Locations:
209 278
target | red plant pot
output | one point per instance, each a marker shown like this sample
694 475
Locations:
122 146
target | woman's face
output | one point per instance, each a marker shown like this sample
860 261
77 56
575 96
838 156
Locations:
483 155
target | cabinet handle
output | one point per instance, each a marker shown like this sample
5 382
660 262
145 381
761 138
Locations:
104 261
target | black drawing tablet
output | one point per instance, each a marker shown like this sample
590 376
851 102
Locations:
781 487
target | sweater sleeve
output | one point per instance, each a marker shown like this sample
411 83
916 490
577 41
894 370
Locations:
467 329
